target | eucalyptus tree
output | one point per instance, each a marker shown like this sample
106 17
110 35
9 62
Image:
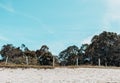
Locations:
105 47
16 55
30 56
10 52
25 53
6 51
69 55
83 58
45 57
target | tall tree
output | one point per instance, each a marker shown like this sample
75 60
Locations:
69 55
44 56
25 52
81 54
105 47
10 52
6 51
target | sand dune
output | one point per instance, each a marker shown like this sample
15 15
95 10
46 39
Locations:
60 75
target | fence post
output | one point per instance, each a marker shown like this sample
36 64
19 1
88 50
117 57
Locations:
6 60
53 61
99 62
27 60
106 64
77 61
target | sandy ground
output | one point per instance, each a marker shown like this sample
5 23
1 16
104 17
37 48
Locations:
60 75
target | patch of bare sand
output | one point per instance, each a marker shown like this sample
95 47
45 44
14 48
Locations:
60 75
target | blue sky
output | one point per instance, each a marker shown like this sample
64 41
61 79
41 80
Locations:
56 23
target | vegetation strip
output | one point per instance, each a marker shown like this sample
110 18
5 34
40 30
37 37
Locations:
104 50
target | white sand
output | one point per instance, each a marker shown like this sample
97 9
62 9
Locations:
60 75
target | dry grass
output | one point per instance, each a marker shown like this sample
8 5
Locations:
89 66
14 66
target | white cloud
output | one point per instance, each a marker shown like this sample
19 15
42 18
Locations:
87 40
112 13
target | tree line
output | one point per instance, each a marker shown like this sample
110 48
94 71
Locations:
104 49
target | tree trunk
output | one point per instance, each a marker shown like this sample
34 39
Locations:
6 60
27 60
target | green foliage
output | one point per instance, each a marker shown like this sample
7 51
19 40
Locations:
44 56
69 55
105 46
